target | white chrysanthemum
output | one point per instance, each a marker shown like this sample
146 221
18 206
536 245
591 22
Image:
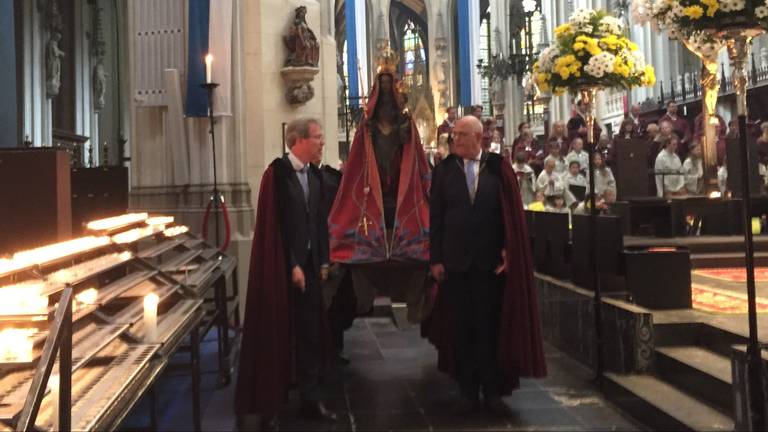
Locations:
580 20
600 64
611 25
761 12
731 5
547 58
641 11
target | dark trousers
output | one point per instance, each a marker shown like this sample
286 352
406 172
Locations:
308 323
475 298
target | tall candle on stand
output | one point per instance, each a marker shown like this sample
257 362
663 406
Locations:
150 317
53 386
208 69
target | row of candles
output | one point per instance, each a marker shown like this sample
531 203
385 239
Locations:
31 297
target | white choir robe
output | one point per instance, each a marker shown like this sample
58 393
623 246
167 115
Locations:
560 166
668 163
543 185
604 180
581 157
527 191
694 173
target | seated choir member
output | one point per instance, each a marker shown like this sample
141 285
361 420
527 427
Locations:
561 167
538 203
604 179
525 175
668 168
548 179
574 177
584 207
693 167
556 203
578 154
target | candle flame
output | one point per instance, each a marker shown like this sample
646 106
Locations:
88 297
151 300
160 220
16 345
715 194
55 251
24 299
117 221
174 231
209 59
135 234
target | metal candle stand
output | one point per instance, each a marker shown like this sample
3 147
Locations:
216 195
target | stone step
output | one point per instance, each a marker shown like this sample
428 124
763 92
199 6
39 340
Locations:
661 406
698 371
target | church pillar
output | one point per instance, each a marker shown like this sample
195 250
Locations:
357 52
9 103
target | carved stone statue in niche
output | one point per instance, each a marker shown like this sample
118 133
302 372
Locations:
99 85
303 47
299 94
53 57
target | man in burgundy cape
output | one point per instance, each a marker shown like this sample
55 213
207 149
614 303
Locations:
519 351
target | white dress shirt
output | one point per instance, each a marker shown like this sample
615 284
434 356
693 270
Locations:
476 170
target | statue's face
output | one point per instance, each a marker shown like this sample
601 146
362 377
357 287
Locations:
385 83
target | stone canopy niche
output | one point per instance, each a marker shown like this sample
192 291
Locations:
303 55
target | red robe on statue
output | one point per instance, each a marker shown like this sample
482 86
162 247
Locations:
357 229
520 347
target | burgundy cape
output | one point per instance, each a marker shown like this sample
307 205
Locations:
360 199
520 349
266 368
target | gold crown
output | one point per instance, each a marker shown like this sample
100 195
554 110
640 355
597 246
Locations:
388 61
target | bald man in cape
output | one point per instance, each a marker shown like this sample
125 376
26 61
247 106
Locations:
485 321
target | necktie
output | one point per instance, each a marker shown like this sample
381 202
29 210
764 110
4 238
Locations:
304 181
470 173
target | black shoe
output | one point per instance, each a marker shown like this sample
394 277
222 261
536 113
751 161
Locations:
496 406
318 411
464 406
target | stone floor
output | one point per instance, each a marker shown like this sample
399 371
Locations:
392 384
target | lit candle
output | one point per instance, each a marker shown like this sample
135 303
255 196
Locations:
208 68
53 386
756 226
150 317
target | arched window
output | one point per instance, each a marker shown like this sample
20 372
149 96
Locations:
485 55
413 55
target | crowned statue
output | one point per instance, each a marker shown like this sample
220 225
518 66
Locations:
379 223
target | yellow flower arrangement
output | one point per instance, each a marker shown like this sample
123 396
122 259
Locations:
591 49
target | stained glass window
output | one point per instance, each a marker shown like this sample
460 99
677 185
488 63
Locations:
413 54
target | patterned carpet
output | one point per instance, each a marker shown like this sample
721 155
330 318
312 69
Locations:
734 274
715 300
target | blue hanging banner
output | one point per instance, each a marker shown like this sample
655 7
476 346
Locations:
465 64
197 97
353 82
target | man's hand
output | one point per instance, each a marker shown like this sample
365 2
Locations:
503 266
297 278
438 272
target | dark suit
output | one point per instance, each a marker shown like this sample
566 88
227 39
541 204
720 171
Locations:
467 238
305 238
